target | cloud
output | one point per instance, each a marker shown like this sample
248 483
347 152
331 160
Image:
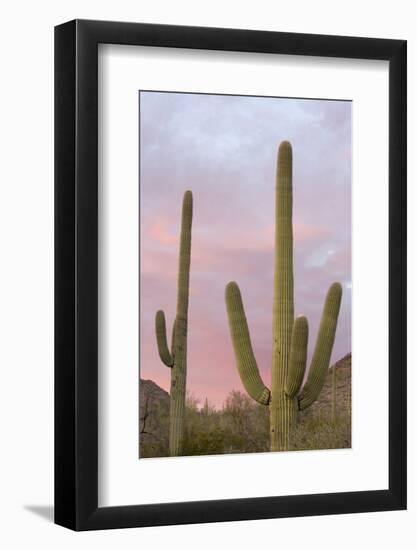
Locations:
159 233
310 232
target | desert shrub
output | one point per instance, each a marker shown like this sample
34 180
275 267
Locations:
319 432
206 439
246 423
240 427
202 430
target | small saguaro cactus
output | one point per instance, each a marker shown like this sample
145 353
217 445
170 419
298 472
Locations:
289 351
176 358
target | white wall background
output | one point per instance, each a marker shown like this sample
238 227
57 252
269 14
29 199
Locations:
26 274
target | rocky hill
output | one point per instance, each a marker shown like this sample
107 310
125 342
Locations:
153 419
343 389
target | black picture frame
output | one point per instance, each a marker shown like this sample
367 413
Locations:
76 272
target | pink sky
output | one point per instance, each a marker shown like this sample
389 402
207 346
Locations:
224 149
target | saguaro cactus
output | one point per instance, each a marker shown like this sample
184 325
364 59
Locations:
176 359
289 350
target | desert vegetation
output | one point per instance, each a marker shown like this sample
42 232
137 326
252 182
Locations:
241 425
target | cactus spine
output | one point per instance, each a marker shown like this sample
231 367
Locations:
176 359
289 350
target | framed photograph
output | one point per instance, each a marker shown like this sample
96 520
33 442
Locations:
230 255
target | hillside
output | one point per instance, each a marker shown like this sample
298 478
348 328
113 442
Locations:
317 430
343 388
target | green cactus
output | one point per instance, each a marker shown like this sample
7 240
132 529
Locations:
176 359
289 353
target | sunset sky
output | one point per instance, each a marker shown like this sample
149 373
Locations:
223 148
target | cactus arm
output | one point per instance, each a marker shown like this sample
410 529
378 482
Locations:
245 359
298 356
173 340
324 345
161 339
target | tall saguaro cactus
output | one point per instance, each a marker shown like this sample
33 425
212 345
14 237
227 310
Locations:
289 351
176 358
